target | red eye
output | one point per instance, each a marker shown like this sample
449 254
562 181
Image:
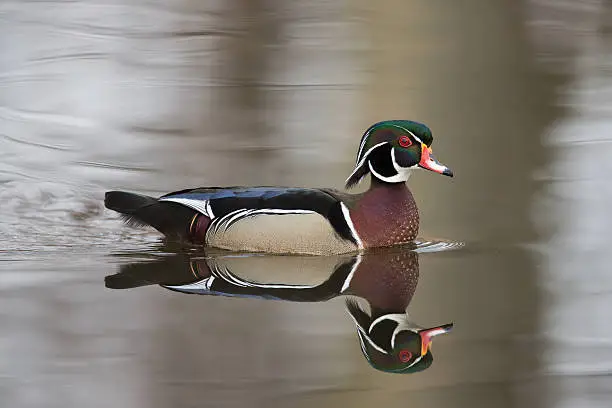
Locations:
404 141
405 356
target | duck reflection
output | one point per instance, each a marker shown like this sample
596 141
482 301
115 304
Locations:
386 279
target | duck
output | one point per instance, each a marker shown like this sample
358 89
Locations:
386 279
291 220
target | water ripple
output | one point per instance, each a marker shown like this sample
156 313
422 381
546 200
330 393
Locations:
438 245
36 144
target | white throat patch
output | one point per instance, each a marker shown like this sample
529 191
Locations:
403 173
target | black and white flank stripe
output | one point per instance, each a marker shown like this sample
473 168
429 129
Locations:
223 281
226 207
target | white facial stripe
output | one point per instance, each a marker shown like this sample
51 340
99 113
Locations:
363 142
201 206
347 281
361 146
349 222
364 158
413 135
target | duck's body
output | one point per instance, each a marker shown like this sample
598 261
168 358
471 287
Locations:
277 219
298 220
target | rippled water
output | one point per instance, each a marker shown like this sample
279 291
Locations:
153 97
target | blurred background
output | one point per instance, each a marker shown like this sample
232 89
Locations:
154 96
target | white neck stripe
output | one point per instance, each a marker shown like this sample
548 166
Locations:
394 179
347 218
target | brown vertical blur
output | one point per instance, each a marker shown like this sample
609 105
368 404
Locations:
245 68
467 70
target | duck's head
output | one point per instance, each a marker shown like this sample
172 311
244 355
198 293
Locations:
392 343
390 150
412 348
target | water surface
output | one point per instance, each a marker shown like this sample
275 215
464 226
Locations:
153 97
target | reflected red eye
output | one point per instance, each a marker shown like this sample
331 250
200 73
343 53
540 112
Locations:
405 356
404 141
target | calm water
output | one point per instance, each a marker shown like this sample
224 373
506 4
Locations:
153 97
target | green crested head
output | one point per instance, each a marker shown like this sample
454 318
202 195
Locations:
389 150
376 133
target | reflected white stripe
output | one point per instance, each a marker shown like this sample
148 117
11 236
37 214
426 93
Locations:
347 281
365 335
399 318
199 285
363 332
222 272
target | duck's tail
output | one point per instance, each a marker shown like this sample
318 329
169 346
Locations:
171 219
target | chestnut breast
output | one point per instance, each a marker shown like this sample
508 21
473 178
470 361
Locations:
385 216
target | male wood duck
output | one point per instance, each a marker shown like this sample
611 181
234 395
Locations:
301 220
386 279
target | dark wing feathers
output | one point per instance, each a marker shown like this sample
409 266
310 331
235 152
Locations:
226 200
171 219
